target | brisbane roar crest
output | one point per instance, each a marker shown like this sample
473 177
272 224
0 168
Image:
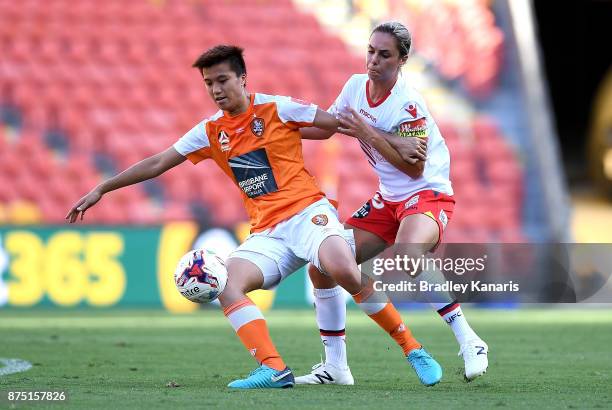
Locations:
320 220
258 126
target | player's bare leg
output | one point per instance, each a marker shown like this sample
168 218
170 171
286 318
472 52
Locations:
250 326
416 236
337 260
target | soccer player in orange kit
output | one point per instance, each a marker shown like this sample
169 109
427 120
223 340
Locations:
254 138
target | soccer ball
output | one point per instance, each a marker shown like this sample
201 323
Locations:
200 275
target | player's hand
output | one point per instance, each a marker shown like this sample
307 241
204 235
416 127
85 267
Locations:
353 125
411 149
82 205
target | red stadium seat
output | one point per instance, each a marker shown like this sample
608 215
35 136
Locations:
119 74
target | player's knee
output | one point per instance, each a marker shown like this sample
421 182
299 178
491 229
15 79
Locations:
338 261
320 280
242 277
234 291
344 271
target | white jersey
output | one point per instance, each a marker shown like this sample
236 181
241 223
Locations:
401 112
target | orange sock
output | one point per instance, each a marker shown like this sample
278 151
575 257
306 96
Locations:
387 317
390 320
251 328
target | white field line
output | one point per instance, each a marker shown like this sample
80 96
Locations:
14 366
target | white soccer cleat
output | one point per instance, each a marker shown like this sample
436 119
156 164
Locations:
475 355
326 373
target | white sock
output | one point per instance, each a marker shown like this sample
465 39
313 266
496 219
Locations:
447 307
454 317
331 317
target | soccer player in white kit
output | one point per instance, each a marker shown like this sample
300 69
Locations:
414 202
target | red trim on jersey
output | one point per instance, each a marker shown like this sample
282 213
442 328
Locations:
373 104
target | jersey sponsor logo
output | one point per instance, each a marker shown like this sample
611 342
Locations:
320 220
443 218
253 173
363 211
367 115
224 141
258 126
412 202
411 109
377 201
416 128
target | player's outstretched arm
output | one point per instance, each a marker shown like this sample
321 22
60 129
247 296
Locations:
413 165
324 126
313 133
146 169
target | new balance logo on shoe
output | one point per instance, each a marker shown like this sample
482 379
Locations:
481 350
327 377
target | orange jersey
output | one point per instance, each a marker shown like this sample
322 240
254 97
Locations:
261 151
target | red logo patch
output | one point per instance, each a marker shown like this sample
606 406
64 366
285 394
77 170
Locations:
320 220
412 109
419 124
416 128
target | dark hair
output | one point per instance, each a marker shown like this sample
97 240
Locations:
399 32
220 54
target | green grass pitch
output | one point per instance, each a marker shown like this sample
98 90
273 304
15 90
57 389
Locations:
124 359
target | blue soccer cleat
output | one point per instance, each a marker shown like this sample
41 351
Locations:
265 377
428 370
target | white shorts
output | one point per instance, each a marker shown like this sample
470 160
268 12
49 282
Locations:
286 247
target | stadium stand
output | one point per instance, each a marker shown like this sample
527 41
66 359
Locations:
89 88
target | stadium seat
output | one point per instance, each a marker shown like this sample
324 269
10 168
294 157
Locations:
124 91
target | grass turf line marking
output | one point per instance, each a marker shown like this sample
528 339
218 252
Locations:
14 366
